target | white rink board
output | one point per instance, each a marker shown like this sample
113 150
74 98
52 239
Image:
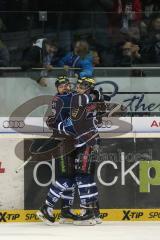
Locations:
12 184
124 125
27 89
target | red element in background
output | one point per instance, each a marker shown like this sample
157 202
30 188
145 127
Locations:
2 170
85 158
91 107
137 8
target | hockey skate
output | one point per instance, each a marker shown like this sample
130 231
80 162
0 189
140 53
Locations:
45 213
67 216
97 216
96 210
87 218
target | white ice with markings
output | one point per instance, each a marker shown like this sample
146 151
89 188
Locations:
105 231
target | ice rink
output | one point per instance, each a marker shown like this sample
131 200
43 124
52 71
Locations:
105 231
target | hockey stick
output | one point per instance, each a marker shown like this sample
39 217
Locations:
23 165
35 152
29 159
115 109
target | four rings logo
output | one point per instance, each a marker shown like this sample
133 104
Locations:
106 124
14 124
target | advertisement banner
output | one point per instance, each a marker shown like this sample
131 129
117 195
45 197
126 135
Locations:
127 174
136 93
105 215
146 125
122 125
21 125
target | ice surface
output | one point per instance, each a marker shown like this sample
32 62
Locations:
105 231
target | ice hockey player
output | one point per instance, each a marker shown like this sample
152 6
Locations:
84 86
86 140
64 164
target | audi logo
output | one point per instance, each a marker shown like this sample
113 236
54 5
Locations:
105 124
13 124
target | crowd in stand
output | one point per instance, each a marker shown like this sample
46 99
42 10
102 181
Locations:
133 38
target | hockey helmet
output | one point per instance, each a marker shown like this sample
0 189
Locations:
61 80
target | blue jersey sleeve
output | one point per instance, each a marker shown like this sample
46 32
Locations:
87 68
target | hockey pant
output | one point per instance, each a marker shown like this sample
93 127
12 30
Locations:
65 180
85 159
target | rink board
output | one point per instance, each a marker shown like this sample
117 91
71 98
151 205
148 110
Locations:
106 215
12 196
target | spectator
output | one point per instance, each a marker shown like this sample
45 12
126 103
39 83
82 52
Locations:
4 55
130 12
96 58
134 33
2 26
102 54
149 7
79 58
128 55
41 54
151 47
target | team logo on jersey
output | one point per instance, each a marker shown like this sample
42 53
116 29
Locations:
74 112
